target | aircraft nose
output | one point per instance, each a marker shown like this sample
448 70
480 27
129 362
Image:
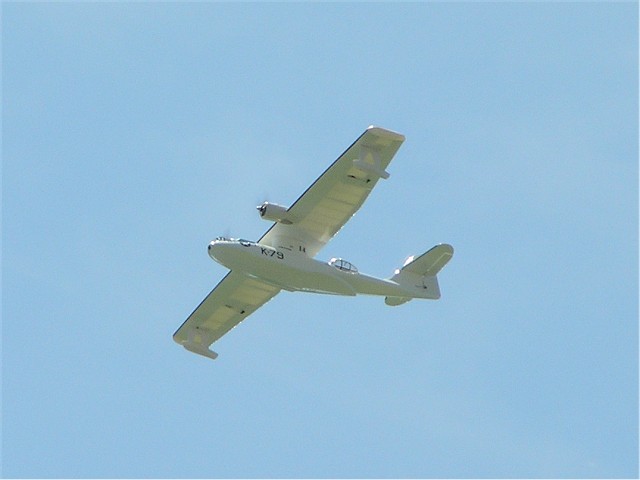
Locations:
210 250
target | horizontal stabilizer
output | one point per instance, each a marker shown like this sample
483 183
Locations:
420 273
429 263
395 301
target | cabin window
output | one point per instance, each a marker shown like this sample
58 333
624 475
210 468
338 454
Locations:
343 265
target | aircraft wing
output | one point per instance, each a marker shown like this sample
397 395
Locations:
235 298
337 194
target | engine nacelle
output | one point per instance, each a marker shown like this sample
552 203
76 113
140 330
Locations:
275 213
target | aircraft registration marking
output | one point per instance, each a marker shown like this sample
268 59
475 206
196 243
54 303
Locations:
269 252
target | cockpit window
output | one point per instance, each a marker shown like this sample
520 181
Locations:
343 265
241 241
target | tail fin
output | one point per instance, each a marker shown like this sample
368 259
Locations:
420 272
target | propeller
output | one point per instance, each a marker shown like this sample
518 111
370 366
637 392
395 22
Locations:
261 202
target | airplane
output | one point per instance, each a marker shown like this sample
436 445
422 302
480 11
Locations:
283 258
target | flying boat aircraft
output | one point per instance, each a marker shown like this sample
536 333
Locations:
283 258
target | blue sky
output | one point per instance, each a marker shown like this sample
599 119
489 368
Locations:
134 133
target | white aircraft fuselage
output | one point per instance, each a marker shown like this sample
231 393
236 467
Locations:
295 271
284 257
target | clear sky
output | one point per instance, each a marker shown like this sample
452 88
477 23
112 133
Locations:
134 133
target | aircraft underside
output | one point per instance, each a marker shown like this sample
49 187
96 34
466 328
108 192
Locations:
283 258
294 271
